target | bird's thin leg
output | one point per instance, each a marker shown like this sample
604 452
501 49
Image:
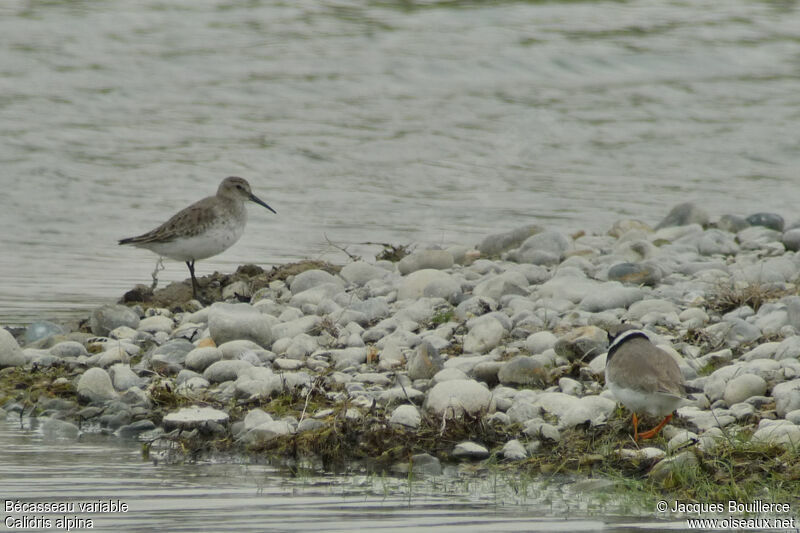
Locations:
635 428
159 268
190 264
653 432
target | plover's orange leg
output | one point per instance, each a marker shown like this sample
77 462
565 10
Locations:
635 428
653 432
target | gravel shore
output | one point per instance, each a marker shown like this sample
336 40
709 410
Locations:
493 352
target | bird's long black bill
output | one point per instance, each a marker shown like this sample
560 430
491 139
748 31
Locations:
259 201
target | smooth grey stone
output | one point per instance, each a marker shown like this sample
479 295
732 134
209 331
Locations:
683 215
348 356
436 259
201 358
94 386
154 324
229 322
267 431
610 295
743 387
768 220
407 416
133 429
540 341
304 345
582 343
374 308
787 397
359 273
256 417
794 416
683 462
487 372
293 328
452 398
701 420
634 273
497 243
136 396
416 284
540 429
55 429
421 463
732 223
757 237
522 370
470 450
639 309
522 410
717 242
108 317
263 386
425 362
571 411
316 295
475 306
193 417
495 287
513 450
225 370
41 329
69 349
123 377
312 278
742 410
400 394
449 374
570 386
546 248
777 432
791 239
10 352
484 336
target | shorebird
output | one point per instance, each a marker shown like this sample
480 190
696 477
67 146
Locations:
644 378
204 229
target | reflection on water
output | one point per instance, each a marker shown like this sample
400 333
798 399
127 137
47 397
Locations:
246 497
383 121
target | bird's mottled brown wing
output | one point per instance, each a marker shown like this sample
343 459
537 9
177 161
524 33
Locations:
185 223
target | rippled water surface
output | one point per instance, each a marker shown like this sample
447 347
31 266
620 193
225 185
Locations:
237 497
386 121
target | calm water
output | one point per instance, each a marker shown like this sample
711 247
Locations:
237 497
375 120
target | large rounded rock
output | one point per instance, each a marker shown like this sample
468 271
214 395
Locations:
683 215
787 397
585 342
95 386
10 352
427 281
611 295
425 362
435 259
310 279
743 387
406 416
360 272
634 273
229 322
201 358
571 411
456 397
485 335
545 248
522 370
767 220
497 243
108 317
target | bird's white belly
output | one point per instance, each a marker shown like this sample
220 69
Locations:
216 239
655 404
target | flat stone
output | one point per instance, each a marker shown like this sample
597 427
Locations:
634 273
123 377
154 324
312 278
293 328
767 220
68 349
497 286
40 330
611 295
428 282
108 317
540 341
732 223
717 242
571 411
193 417
470 450
316 295
435 259
777 432
544 248
787 397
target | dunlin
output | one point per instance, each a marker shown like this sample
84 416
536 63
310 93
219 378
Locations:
645 378
204 229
